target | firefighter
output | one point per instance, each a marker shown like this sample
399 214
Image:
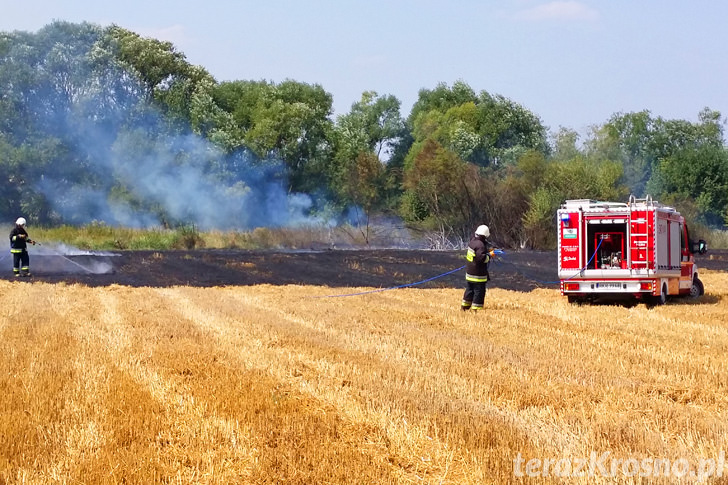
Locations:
476 269
19 241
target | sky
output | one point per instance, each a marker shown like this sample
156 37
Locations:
574 63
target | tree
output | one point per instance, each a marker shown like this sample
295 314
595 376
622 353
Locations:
362 184
441 99
564 144
47 81
374 125
701 175
287 122
101 123
580 178
488 134
210 121
484 129
157 64
639 142
629 139
510 130
364 140
437 191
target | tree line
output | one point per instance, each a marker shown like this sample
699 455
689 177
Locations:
100 123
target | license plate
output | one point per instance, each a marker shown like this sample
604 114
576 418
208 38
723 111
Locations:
609 285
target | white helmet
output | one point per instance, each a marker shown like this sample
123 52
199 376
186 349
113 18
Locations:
20 221
482 230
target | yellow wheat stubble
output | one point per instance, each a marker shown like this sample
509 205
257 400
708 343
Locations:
265 384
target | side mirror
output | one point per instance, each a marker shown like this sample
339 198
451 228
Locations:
700 247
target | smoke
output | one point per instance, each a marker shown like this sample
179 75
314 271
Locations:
106 153
96 147
144 177
61 249
56 258
84 130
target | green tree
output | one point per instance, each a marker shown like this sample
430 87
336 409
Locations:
287 122
361 184
210 121
157 64
441 99
437 192
483 129
579 178
183 92
46 80
488 134
370 131
374 124
564 144
640 141
510 130
629 139
699 174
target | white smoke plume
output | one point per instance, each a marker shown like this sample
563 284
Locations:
182 177
57 258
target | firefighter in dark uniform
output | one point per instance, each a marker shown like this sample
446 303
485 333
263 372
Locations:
476 269
19 241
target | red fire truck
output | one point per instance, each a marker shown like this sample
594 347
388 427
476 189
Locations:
640 249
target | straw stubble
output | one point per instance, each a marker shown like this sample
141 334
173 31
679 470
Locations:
264 384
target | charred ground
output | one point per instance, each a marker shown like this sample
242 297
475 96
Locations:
517 270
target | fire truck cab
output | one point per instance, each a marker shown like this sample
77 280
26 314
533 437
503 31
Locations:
611 250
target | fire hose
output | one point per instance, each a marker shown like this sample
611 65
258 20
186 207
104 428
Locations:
393 287
495 251
499 252
557 281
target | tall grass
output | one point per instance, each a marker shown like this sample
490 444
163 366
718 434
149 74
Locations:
103 237
717 239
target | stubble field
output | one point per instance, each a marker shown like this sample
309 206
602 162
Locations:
273 384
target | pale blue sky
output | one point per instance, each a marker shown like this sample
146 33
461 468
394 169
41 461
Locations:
573 62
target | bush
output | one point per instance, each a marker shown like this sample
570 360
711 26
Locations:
187 237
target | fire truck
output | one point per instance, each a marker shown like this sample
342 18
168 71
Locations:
637 250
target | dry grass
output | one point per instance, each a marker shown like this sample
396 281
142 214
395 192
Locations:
265 384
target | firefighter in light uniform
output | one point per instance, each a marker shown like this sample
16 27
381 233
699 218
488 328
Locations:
19 241
476 269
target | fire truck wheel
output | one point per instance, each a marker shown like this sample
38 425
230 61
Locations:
697 289
660 299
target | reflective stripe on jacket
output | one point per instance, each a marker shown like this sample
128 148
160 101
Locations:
476 268
18 244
